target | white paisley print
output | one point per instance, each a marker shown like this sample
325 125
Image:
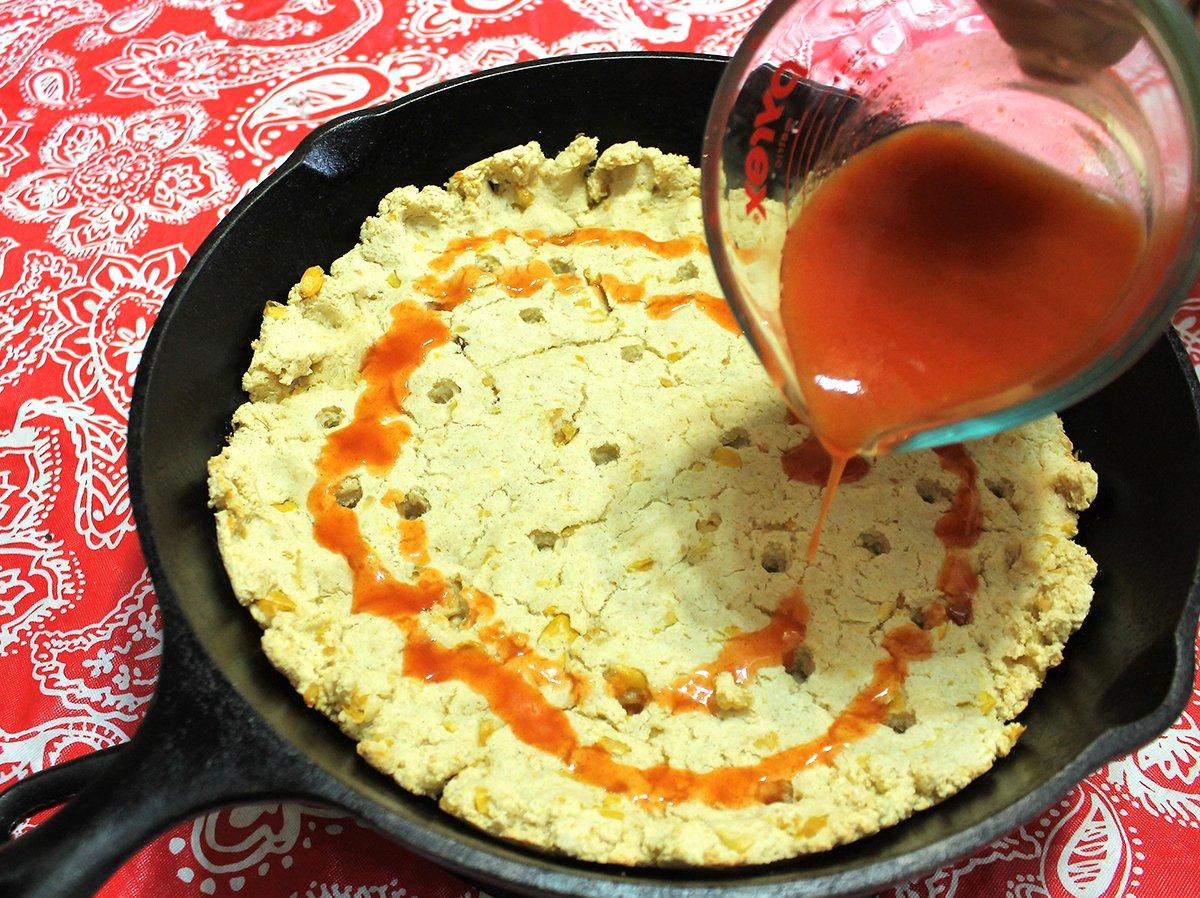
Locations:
106 178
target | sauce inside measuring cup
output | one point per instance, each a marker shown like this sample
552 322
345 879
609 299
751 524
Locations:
938 268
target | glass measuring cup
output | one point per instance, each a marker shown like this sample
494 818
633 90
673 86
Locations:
818 80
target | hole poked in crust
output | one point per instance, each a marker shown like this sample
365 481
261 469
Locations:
605 453
874 542
775 558
413 505
443 391
931 490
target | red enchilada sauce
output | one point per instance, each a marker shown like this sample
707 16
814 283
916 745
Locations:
933 270
809 462
525 280
938 268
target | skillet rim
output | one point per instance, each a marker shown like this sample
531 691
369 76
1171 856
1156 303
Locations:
509 866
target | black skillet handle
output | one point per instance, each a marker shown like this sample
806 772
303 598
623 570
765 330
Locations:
49 788
106 817
199 747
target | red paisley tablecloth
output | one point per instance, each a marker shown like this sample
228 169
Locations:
127 128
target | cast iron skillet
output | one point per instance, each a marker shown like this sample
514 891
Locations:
224 727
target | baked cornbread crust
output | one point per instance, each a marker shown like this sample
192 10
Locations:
607 469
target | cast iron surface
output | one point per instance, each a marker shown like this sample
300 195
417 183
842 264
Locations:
225 727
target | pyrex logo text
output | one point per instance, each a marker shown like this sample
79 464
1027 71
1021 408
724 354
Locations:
758 159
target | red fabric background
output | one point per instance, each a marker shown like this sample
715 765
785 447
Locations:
127 127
